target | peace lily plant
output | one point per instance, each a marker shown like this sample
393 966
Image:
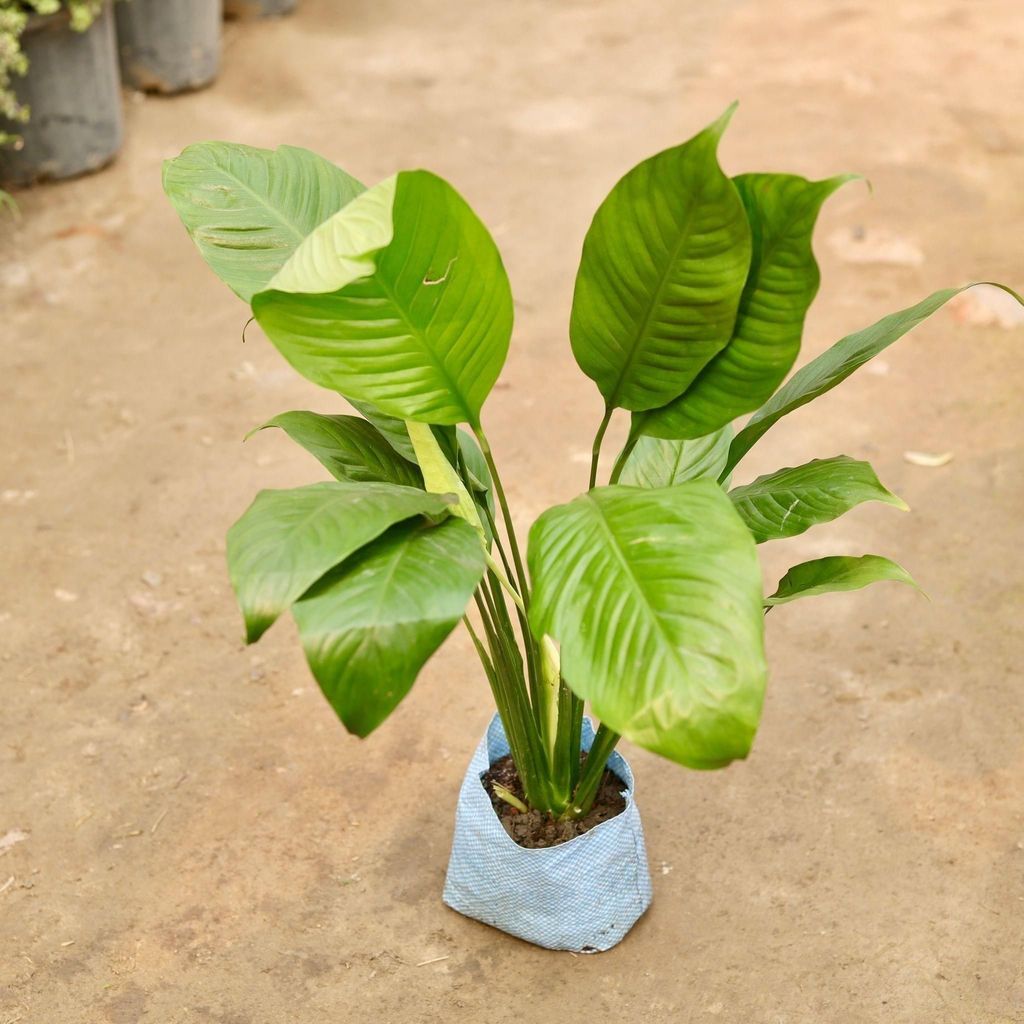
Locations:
642 596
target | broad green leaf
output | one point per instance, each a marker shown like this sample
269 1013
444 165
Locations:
369 626
789 501
400 299
838 572
350 448
460 449
287 540
452 442
459 446
661 274
391 428
655 462
655 599
248 209
439 475
833 366
780 287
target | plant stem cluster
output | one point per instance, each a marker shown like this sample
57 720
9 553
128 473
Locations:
543 718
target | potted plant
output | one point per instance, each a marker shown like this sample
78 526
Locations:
60 96
169 47
259 8
642 596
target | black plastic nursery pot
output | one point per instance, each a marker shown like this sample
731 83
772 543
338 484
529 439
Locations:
169 47
73 91
259 8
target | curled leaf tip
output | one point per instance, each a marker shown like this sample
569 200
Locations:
837 181
895 500
995 284
907 578
717 128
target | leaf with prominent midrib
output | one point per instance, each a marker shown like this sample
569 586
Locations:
789 501
780 287
655 462
836 573
391 428
834 365
369 626
400 299
654 597
287 540
661 274
348 447
248 209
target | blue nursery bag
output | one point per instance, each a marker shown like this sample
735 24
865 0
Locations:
582 895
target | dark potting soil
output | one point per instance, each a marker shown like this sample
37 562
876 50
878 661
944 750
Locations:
535 829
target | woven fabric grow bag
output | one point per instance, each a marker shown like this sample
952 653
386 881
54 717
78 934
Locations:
583 895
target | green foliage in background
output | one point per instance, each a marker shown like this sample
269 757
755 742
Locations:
643 595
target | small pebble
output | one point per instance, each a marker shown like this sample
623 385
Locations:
15 275
245 371
14 497
875 245
929 459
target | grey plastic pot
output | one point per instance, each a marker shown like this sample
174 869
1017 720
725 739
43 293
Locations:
74 93
259 8
169 47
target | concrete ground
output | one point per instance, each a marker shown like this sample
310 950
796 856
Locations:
189 835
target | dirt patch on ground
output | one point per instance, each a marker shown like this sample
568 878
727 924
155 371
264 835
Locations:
206 844
534 829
